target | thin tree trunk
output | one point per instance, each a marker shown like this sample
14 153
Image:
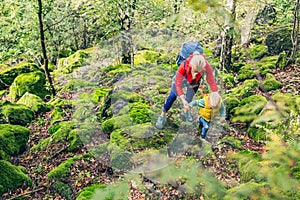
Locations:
295 33
42 37
227 36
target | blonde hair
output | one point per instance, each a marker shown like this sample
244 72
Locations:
214 99
198 61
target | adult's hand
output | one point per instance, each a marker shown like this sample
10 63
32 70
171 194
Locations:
185 103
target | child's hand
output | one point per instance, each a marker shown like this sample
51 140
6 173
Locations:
222 120
186 109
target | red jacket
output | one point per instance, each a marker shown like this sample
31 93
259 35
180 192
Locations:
184 72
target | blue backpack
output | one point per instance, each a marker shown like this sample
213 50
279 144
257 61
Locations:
188 49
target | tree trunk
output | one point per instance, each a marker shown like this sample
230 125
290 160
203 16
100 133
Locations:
42 37
295 33
126 38
227 36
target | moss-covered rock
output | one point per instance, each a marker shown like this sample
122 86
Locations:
139 136
146 56
229 140
63 170
34 102
231 103
17 114
8 74
11 177
279 40
121 69
120 159
286 102
64 190
116 123
13 140
258 51
270 83
60 109
139 112
248 165
88 192
244 90
78 59
249 108
3 92
60 133
282 60
248 190
247 72
33 83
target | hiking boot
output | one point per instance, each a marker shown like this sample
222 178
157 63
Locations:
160 122
188 117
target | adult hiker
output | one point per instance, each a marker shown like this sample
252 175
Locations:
188 75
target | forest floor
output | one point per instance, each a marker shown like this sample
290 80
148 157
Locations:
84 173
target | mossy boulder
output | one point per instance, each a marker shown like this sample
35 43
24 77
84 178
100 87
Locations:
116 122
282 60
13 140
279 40
64 190
257 51
34 102
33 82
248 190
287 102
139 136
61 132
146 56
231 103
8 74
11 177
78 59
17 114
120 69
229 140
60 108
88 192
63 170
249 108
244 90
120 159
247 72
270 83
248 165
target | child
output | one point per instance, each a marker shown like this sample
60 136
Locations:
210 106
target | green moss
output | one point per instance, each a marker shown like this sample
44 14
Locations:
231 141
74 140
13 140
62 170
270 83
139 136
248 165
88 192
63 190
78 59
116 123
258 51
60 108
34 102
127 96
257 131
60 133
120 160
249 108
3 92
8 74
282 60
286 102
146 56
231 103
248 190
76 84
33 83
17 114
139 113
11 177
246 72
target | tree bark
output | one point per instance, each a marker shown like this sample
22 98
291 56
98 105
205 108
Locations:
295 33
42 37
227 36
